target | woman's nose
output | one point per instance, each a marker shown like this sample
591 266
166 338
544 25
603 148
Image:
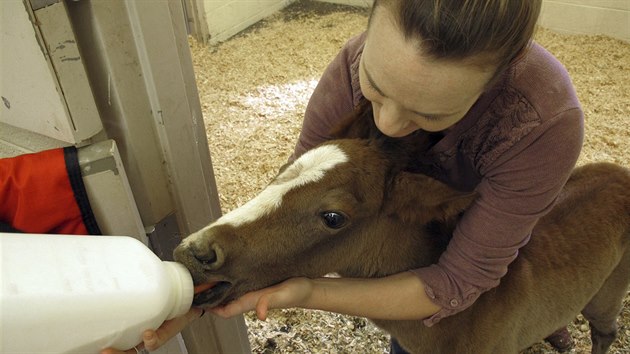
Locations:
390 121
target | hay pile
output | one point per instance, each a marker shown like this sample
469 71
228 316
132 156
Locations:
254 89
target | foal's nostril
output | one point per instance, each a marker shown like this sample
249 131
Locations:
207 258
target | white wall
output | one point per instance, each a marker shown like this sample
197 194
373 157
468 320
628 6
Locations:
226 18
363 3
608 17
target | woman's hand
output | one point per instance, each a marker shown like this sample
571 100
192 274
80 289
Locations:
294 292
152 340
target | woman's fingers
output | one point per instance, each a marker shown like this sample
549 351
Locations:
129 351
152 340
290 293
262 307
241 305
155 339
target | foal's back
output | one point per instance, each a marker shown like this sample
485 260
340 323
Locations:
578 260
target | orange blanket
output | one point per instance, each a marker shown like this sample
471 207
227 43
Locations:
44 193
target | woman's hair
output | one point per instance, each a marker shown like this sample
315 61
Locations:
495 31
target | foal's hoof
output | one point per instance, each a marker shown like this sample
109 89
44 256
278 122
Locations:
560 340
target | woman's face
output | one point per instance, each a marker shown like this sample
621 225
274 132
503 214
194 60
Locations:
409 91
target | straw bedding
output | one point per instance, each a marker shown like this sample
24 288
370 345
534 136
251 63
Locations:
254 89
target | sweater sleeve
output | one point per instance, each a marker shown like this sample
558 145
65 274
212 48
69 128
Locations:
335 96
517 189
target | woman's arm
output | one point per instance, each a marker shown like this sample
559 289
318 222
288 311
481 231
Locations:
396 297
336 95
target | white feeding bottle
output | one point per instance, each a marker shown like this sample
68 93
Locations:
81 294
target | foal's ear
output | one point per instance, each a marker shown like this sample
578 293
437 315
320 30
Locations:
427 198
284 167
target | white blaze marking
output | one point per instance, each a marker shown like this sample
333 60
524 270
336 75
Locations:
309 168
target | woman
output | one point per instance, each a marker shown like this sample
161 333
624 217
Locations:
504 120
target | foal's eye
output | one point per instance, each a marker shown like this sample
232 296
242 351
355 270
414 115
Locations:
333 219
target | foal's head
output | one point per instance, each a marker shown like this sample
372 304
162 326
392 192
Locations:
342 207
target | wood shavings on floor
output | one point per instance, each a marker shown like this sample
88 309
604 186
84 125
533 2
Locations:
254 89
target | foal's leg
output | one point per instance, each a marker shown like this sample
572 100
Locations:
604 308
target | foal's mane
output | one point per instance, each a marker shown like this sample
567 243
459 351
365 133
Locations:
404 155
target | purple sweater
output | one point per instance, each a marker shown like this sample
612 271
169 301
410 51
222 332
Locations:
516 147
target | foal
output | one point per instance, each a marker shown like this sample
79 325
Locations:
351 207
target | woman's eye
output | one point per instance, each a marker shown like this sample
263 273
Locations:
372 89
333 220
431 118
